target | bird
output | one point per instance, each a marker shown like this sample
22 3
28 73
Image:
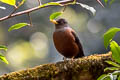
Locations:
65 40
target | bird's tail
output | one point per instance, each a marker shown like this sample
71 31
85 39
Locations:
80 54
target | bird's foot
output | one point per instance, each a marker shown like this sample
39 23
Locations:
64 58
72 58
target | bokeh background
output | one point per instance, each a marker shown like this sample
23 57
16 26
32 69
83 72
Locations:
32 46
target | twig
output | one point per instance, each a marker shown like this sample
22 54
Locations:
63 2
16 7
39 1
64 8
30 19
34 9
13 10
100 3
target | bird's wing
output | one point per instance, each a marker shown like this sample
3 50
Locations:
77 41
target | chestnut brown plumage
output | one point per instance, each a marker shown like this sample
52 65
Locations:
66 41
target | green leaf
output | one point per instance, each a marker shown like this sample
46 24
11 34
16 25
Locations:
55 15
111 68
116 72
108 36
3 47
106 1
22 2
115 48
10 2
111 2
119 77
111 76
104 77
17 26
113 64
3 59
50 3
115 77
87 7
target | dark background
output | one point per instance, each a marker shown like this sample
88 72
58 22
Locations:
32 46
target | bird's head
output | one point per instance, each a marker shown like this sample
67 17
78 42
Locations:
60 23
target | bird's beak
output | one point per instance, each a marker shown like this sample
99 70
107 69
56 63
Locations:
54 21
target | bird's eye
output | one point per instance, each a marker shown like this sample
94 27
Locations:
62 22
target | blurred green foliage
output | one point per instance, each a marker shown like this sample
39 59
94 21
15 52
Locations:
2 58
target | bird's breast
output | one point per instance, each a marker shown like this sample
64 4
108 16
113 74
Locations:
64 42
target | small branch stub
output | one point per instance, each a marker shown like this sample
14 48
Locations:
30 19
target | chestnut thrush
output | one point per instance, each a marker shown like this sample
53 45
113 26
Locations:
65 40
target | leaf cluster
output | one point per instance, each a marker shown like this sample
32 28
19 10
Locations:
115 49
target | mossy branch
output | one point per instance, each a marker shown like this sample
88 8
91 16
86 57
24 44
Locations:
87 68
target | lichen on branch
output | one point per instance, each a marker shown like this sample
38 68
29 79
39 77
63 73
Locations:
86 68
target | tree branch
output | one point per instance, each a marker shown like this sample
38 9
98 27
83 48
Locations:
34 9
87 68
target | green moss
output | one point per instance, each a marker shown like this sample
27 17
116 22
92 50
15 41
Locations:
86 67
